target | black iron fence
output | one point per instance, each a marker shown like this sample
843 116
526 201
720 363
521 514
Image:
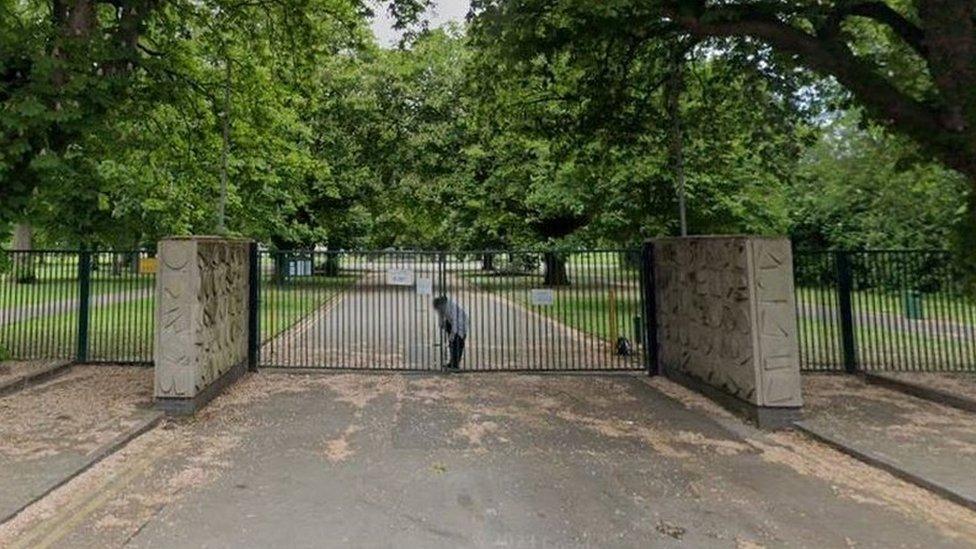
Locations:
523 310
88 306
899 310
907 310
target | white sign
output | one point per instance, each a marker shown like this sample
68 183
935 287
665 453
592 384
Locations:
425 286
542 297
399 277
300 267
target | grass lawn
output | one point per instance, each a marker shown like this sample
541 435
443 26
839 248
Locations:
65 288
282 305
119 332
887 347
941 307
123 332
584 305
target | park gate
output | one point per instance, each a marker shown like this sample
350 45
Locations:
537 310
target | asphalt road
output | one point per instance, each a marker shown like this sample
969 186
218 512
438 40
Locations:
481 460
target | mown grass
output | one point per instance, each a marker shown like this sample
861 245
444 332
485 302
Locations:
935 306
587 304
123 332
902 346
14 295
118 332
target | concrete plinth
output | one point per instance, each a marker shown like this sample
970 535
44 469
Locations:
727 322
201 319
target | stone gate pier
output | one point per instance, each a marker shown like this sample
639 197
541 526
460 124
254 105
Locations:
726 322
202 303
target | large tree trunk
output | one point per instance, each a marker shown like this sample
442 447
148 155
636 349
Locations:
676 145
556 273
332 266
24 269
488 262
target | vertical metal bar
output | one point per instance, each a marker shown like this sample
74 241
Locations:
943 325
253 306
922 329
84 304
844 286
648 291
19 296
958 314
800 310
888 338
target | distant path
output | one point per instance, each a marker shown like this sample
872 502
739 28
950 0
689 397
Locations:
14 315
892 322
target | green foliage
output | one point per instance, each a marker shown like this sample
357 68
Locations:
115 139
545 123
861 187
575 135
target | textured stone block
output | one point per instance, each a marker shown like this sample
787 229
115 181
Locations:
726 315
201 313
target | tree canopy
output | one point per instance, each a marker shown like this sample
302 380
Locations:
539 123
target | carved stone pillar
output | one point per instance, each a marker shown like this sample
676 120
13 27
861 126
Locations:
201 319
726 320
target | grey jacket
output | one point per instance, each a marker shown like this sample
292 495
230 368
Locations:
453 319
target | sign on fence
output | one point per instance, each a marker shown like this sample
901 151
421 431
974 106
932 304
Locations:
425 286
148 265
300 267
399 277
542 296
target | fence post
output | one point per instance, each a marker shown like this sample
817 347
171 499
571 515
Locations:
845 285
650 309
84 304
253 307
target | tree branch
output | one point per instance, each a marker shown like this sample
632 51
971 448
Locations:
883 13
826 56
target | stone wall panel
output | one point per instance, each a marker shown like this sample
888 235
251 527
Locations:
202 299
726 315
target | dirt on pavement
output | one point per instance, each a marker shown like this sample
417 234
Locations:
536 461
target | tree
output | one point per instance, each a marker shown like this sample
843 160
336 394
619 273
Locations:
860 187
589 124
933 99
911 63
72 72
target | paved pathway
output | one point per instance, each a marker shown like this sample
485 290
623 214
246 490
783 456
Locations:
50 431
13 315
481 460
376 325
933 444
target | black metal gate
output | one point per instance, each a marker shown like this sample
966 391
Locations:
538 310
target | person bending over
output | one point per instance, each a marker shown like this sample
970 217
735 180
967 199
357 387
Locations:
454 322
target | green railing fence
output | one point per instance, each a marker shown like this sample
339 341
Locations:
897 310
87 306
900 310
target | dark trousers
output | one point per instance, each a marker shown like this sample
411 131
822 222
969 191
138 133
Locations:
457 351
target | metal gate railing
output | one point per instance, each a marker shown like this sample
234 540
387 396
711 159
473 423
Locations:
537 310
85 306
897 310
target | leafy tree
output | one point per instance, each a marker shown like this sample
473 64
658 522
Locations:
593 119
911 63
861 187
75 77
